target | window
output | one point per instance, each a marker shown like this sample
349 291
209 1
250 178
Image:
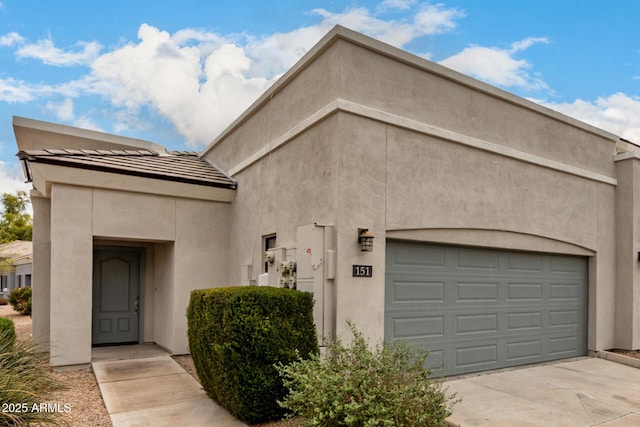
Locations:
269 242
19 281
27 280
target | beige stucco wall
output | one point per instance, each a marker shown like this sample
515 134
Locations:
71 275
41 266
185 243
294 186
357 135
628 247
414 151
200 258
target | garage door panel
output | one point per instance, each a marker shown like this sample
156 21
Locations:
526 320
428 328
521 312
524 351
521 292
564 346
476 324
517 262
475 260
414 291
477 357
422 258
565 292
564 264
477 291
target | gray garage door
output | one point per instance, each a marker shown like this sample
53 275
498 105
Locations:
480 309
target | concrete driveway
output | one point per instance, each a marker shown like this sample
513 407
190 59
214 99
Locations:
585 392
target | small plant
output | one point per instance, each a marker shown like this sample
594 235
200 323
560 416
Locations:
25 383
360 387
7 330
20 299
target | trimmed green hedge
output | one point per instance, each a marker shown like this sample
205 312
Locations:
238 334
7 330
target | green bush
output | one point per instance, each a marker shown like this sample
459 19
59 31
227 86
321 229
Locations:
20 299
238 334
8 330
25 383
363 387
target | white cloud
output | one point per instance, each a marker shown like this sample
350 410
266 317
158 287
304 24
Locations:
19 91
618 113
11 39
63 111
201 81
396 5
498 66
198 95
12 90
87 123
48 53
197 80
426 20
12 178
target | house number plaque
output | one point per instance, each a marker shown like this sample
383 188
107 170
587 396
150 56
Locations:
362 271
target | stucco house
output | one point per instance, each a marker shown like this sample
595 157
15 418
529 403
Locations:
16 258
419 203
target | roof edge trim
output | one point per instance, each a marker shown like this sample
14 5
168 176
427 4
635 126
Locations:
71 131
341 105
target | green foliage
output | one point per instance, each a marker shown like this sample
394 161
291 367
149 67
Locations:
7 330
238 334
25 381
6 266
15 223
20 299
363 387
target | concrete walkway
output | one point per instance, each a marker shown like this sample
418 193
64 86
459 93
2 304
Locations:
156 391
586 392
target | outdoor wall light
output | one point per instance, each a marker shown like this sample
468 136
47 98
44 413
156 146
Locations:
365 240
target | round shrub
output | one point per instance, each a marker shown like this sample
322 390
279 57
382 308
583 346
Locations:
238 334
20 299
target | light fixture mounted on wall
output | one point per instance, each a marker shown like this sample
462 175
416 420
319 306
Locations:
365 240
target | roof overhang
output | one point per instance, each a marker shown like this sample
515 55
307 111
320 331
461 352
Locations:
35 135
45 175
53 153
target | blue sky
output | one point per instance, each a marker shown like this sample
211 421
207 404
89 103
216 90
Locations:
177 73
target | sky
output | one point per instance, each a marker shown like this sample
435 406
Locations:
177 73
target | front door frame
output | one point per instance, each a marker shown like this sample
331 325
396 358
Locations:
141 285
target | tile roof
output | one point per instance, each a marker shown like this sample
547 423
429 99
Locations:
180 166
17 252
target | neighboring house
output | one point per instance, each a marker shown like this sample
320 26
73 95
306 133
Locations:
503 232
17 256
